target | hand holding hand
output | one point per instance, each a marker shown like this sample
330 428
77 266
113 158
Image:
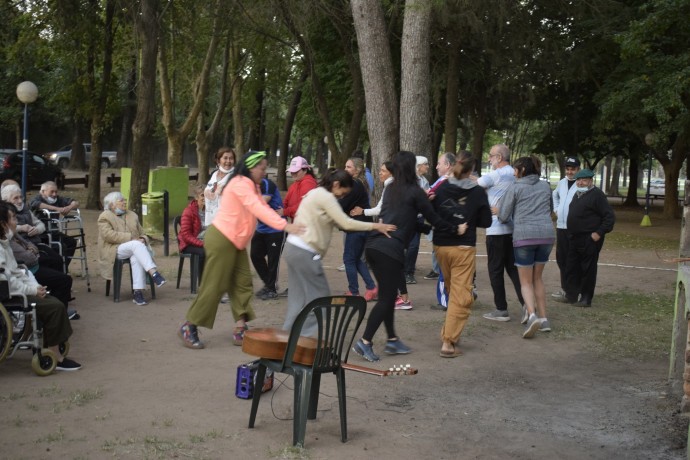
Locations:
356 211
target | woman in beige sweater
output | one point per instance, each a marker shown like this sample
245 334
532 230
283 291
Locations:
319 212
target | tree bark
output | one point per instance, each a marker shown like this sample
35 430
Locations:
236 91
379 81
178 136
147 28
97 121
287 130
452 92
415 124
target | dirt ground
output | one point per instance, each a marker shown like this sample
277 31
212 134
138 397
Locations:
141 394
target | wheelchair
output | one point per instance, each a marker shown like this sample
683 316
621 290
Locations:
21 330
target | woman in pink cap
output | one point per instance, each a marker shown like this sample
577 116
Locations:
303 181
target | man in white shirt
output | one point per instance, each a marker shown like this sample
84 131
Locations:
499 237
562 196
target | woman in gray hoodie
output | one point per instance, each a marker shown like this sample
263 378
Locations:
529 203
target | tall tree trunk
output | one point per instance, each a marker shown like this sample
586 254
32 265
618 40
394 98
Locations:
452 93
236 71
94 191
631 197
203 134
287 129
177 137
147 28
256 141
124 151
614 190
317 88
415 131
479 128
379 80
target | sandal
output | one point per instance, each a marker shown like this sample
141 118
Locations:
238 335
450 354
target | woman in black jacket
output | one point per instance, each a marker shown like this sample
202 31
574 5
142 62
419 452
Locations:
404 199
461 201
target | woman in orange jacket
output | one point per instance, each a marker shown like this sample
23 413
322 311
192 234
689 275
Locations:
225 242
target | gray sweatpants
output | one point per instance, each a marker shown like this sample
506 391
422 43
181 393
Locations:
306 282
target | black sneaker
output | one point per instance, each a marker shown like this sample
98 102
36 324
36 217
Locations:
68 365
439 307
138 298
432 275
158 279
268 294
73 314
409 279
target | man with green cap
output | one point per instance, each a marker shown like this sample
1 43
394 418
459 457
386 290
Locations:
590 217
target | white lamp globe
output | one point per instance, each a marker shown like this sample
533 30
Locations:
27 92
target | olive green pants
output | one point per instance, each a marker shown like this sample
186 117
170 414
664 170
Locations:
226 270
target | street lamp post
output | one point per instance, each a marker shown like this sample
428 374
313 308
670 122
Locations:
649 140
27 93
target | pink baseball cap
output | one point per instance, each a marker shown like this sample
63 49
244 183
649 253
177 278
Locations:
298 163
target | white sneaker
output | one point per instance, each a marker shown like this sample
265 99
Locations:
558 294
341 268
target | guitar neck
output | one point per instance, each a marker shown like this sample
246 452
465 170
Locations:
364 370
402 370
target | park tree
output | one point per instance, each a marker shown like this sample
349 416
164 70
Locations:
378 78
146 18
649 92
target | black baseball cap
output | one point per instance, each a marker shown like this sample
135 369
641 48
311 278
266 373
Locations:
572 161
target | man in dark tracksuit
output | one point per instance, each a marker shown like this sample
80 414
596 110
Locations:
590 217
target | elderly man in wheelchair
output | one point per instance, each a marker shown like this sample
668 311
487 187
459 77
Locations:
49 311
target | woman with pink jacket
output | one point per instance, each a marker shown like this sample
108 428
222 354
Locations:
225 242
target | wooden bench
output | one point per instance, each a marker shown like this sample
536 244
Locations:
63 181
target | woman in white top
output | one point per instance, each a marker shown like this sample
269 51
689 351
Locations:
319 212
386 177
225 159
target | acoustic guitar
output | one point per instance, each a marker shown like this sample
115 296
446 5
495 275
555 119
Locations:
271 343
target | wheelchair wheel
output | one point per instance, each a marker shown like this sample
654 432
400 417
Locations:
63 348
44 362
5 333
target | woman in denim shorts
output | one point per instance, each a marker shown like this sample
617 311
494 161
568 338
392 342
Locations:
528 203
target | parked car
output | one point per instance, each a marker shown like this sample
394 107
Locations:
657 188
62 156
38 169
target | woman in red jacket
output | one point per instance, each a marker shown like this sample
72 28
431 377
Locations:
303 181
190 236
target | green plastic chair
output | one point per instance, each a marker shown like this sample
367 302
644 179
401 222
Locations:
338 318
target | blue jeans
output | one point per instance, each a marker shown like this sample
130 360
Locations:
352 258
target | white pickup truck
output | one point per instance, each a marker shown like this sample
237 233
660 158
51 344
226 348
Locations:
62 156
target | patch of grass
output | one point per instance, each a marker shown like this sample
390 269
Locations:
51 391
59 435
622 324
623 240
291 452
161 448
78 398
12 397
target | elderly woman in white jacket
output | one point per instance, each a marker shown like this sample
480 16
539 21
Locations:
51 312
121 236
